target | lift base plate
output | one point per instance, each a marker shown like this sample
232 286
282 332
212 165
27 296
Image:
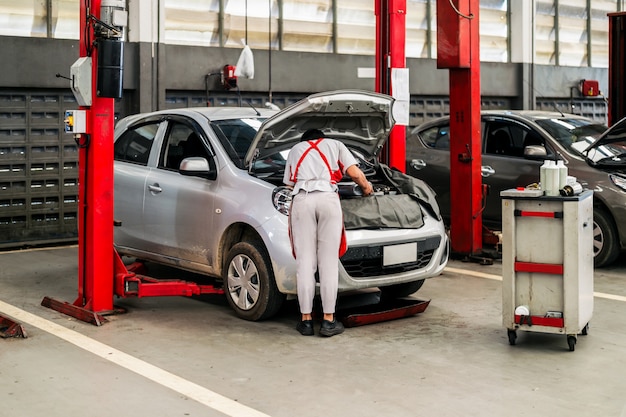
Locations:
10 328
384 311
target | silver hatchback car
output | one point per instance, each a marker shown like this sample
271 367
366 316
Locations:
201 189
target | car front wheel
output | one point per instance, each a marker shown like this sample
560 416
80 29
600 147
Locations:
605 244
248 283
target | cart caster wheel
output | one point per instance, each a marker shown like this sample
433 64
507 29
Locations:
585 330
512 336
571 342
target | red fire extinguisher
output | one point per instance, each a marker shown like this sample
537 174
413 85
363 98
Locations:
229 79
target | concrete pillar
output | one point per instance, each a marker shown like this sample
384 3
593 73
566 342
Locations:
522 23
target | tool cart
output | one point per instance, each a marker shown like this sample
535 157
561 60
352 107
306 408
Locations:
547 263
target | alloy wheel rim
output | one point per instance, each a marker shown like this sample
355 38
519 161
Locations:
243 282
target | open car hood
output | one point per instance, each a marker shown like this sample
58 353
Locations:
610 148
360 119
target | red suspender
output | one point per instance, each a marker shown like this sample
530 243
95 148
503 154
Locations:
334 176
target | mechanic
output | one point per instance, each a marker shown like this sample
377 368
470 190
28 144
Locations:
314 166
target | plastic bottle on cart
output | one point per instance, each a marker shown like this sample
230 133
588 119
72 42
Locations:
549 178
552 179
542 175
562 173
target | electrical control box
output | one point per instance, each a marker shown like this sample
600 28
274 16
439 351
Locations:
75 121
80 75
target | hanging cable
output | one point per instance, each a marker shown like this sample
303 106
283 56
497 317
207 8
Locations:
246 22
470 16
269 53
88 45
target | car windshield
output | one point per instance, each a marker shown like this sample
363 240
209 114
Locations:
613 154
610 151
236 136
571 133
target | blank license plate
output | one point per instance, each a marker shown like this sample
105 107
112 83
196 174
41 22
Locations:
399 254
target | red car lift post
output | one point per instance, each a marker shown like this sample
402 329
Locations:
95 218
101 272
458 50
390 53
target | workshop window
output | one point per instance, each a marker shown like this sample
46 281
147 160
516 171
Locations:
65 19
356 27
248 22
494 31
599 32
419 24
23 18
29 18
307 25
194 22
572 35
573 32
545 32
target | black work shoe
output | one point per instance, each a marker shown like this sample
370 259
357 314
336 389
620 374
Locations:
331 328
305 327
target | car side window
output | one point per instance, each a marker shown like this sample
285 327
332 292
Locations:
181 142
505 139
135 144
437 137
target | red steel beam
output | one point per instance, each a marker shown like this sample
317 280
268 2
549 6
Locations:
617 67
458 50
390 53
95 160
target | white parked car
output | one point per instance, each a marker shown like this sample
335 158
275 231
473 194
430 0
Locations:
201 189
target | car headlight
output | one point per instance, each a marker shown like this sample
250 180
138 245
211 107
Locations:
281 197
619 181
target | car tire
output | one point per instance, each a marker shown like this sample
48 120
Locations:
249 284
605 243
400 290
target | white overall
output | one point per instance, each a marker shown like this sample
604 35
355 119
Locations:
316 219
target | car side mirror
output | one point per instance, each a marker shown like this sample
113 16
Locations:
197 167
535 152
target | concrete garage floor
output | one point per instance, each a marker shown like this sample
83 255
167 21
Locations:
192 357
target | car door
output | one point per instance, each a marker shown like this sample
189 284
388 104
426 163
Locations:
503 161
132 152
428 158
178 208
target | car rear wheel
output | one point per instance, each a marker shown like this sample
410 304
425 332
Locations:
605 244
248 283
400 290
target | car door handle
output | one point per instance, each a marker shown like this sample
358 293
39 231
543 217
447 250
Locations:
487 171
154 188
418 164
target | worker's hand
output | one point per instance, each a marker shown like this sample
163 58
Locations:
368 189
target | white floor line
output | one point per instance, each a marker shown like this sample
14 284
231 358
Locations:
499 278
473 273
188 389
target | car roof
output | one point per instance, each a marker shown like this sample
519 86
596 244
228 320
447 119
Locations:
210 113
531 115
